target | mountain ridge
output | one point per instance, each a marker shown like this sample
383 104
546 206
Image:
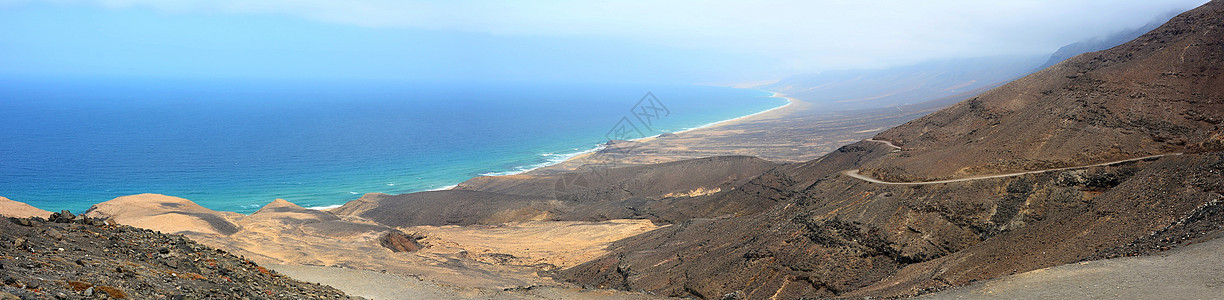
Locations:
1156 94
831 235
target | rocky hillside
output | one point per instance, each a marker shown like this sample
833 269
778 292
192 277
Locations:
72 257
832 235
662 192
1159 93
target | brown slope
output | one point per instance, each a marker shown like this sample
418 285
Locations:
845 237
285 210
1166 193
662 192
448 208
166 214
836 236
1160 93
14 209
649 181
708 258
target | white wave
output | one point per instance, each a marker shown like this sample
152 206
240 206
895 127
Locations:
445 188
553 159
775 95
324 207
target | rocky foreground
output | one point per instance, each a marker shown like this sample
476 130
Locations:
75 257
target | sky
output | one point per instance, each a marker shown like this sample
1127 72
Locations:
597 41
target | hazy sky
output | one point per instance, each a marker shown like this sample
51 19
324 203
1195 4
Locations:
645 41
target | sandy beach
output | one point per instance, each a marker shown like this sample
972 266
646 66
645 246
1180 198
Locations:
795 132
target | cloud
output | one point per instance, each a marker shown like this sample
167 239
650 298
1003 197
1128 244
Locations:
803 35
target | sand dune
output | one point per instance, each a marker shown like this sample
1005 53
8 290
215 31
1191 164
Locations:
476 261
166 214
560 244
14 209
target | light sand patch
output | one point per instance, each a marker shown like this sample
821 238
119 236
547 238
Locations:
464 261
559 243
694 193
14 209
284 233
166 214
379 286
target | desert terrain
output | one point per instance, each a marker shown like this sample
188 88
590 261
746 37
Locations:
1057 180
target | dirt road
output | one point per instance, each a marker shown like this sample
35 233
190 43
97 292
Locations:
855 173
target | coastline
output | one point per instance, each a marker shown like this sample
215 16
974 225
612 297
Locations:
555 159
792 105
790 102
775 112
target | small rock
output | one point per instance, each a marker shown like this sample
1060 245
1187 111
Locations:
22 221
86 262
63 217
112 292
736 295
399 242
55 234
88 292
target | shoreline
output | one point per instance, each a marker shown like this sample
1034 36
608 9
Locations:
790 102
574 156
791 106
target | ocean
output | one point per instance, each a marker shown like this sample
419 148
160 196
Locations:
237 145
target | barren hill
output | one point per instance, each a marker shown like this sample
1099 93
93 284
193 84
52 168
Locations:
661 192
1159 93
14 209
830 235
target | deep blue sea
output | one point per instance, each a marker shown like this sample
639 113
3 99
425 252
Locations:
236 145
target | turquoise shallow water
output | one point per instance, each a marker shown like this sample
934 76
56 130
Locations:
236 145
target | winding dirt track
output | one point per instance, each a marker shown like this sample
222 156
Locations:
855 173
886 143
